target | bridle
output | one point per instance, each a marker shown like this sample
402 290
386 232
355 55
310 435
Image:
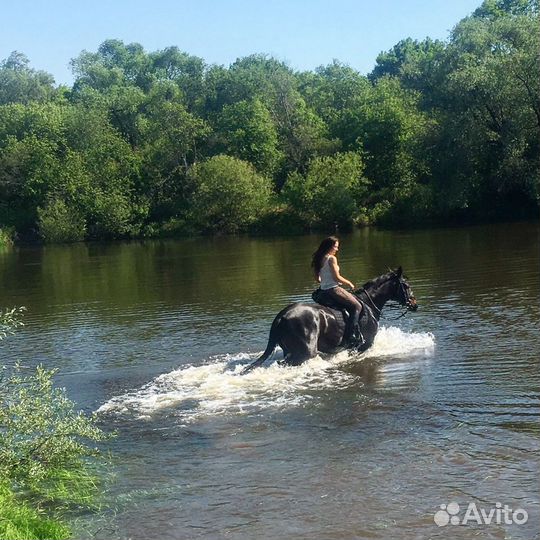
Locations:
410 300
409 305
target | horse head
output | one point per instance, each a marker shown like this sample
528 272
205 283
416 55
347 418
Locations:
391 286
402 292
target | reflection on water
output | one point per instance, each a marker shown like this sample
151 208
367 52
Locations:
443 408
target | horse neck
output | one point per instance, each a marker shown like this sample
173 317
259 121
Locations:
378 294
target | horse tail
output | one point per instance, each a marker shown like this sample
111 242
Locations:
270 347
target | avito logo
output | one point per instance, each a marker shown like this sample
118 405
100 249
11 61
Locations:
499 514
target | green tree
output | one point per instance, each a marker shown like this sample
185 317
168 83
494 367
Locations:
117 65
331 192
69 153
302 134
419 65
58 222
246 131
492 110
172 140
186 71
494 9
228 195
21 84
392 130
114 64
333 92
31 139
257 75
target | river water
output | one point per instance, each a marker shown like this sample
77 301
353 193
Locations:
443 409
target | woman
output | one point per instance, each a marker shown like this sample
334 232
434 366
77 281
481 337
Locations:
326 270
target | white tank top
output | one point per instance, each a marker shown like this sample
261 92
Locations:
327 279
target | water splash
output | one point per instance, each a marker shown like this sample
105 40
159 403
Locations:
395 342
217 387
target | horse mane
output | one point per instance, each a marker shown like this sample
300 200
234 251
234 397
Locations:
376 282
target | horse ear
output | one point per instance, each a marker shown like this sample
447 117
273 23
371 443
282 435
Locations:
399 272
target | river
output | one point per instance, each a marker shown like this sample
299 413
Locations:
443 409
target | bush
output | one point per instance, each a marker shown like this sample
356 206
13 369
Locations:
111 216
176 227
46 457
6 236
280 220
330 192
247 131
411 206
60 223
228 195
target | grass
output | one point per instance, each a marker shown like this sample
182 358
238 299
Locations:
19 521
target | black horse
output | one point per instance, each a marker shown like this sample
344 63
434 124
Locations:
302 330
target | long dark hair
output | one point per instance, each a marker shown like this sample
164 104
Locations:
326 245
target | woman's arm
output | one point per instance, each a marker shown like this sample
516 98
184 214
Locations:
332 261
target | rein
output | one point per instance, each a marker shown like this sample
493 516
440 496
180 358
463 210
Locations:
369 298
407 308
399 316
380 312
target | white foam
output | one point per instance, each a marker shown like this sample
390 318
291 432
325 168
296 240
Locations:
217 387
393 341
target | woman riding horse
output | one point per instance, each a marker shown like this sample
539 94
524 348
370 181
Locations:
326 270
303 330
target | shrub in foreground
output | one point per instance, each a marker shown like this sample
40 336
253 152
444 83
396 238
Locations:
47 456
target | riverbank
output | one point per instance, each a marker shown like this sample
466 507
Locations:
277 229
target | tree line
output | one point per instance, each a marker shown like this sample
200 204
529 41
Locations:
160 143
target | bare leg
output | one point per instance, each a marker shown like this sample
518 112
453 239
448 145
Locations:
353 306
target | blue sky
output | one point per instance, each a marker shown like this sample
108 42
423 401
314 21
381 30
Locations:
304 33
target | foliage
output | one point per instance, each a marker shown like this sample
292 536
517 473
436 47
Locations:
228 194
47 457
171 136
6 236
10 320
42 449
446 130
330 192
336 93
59 223
246 131
19 83
280 219
20 521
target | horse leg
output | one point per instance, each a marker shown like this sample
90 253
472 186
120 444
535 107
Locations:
259 362
298 359
299 352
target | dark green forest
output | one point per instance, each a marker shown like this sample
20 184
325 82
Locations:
149 144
